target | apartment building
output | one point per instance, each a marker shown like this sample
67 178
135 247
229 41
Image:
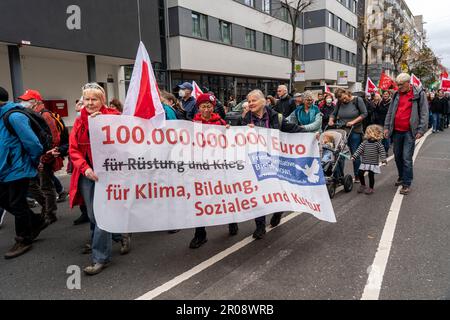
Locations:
233 46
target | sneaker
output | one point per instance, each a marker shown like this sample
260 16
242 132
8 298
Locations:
356 180
2 216
96 268
32 203
62 197
369 191
233 229
81 219
399 183
259 232
125 244
405 190
362 189
18 249
276 219
197 242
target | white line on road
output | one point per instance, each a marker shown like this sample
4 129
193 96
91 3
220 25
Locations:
213 260
377 269
206 264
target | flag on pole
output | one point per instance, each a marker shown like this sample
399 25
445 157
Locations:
445 85
416 81
327 88
370 86
143 99
386 82
444 75
197 91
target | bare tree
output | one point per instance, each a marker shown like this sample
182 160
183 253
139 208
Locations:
367 37
293 9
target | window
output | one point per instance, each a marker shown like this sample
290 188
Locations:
347 57
330 52
284 14
225 32
250 39
348 31
267 43
339 54
330 20
250 3
284 48
355 6
339 24
199 25
266 5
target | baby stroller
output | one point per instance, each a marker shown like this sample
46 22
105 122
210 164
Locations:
333 163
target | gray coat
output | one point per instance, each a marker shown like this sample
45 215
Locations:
419 115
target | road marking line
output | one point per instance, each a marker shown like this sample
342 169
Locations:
377 269
206 264
213 260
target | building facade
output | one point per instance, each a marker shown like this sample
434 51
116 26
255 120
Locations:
57 46
397 35
233 46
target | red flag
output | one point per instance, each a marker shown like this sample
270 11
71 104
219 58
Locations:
143 95
444 75
327 88
197 91
386 82
445 85
416 81
370 86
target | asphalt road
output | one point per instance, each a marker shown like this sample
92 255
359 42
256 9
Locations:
302 259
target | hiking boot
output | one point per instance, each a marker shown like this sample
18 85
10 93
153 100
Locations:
405 190
259 232
197 242
233 229
96 268
18 249
81 219
362 189
35 233
125 244
62 197
369 191
51 218
276 219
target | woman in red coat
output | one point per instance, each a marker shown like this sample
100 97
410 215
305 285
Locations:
206 104
82 183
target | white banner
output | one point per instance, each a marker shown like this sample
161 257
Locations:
191 175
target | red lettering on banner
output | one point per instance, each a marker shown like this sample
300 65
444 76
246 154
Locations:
289 149
305 202
225 207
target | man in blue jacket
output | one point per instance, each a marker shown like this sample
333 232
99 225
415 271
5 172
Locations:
19 158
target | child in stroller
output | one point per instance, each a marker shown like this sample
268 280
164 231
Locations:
334 151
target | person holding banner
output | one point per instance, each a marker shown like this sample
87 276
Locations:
82 182
260 115
206 104
187 100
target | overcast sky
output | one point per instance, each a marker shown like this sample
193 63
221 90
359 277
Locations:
437 17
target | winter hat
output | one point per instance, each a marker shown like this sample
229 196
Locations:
206 97
3 95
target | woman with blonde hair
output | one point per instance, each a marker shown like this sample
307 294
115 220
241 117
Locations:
83 179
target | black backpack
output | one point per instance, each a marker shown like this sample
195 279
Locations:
37 123
62 129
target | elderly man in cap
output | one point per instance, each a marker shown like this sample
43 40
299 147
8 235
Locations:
44 190
187 100
20 151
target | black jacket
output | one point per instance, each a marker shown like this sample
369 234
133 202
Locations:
439 105
380 112
285 106
220 110
275 122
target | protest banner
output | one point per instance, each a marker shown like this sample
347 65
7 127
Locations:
189 175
